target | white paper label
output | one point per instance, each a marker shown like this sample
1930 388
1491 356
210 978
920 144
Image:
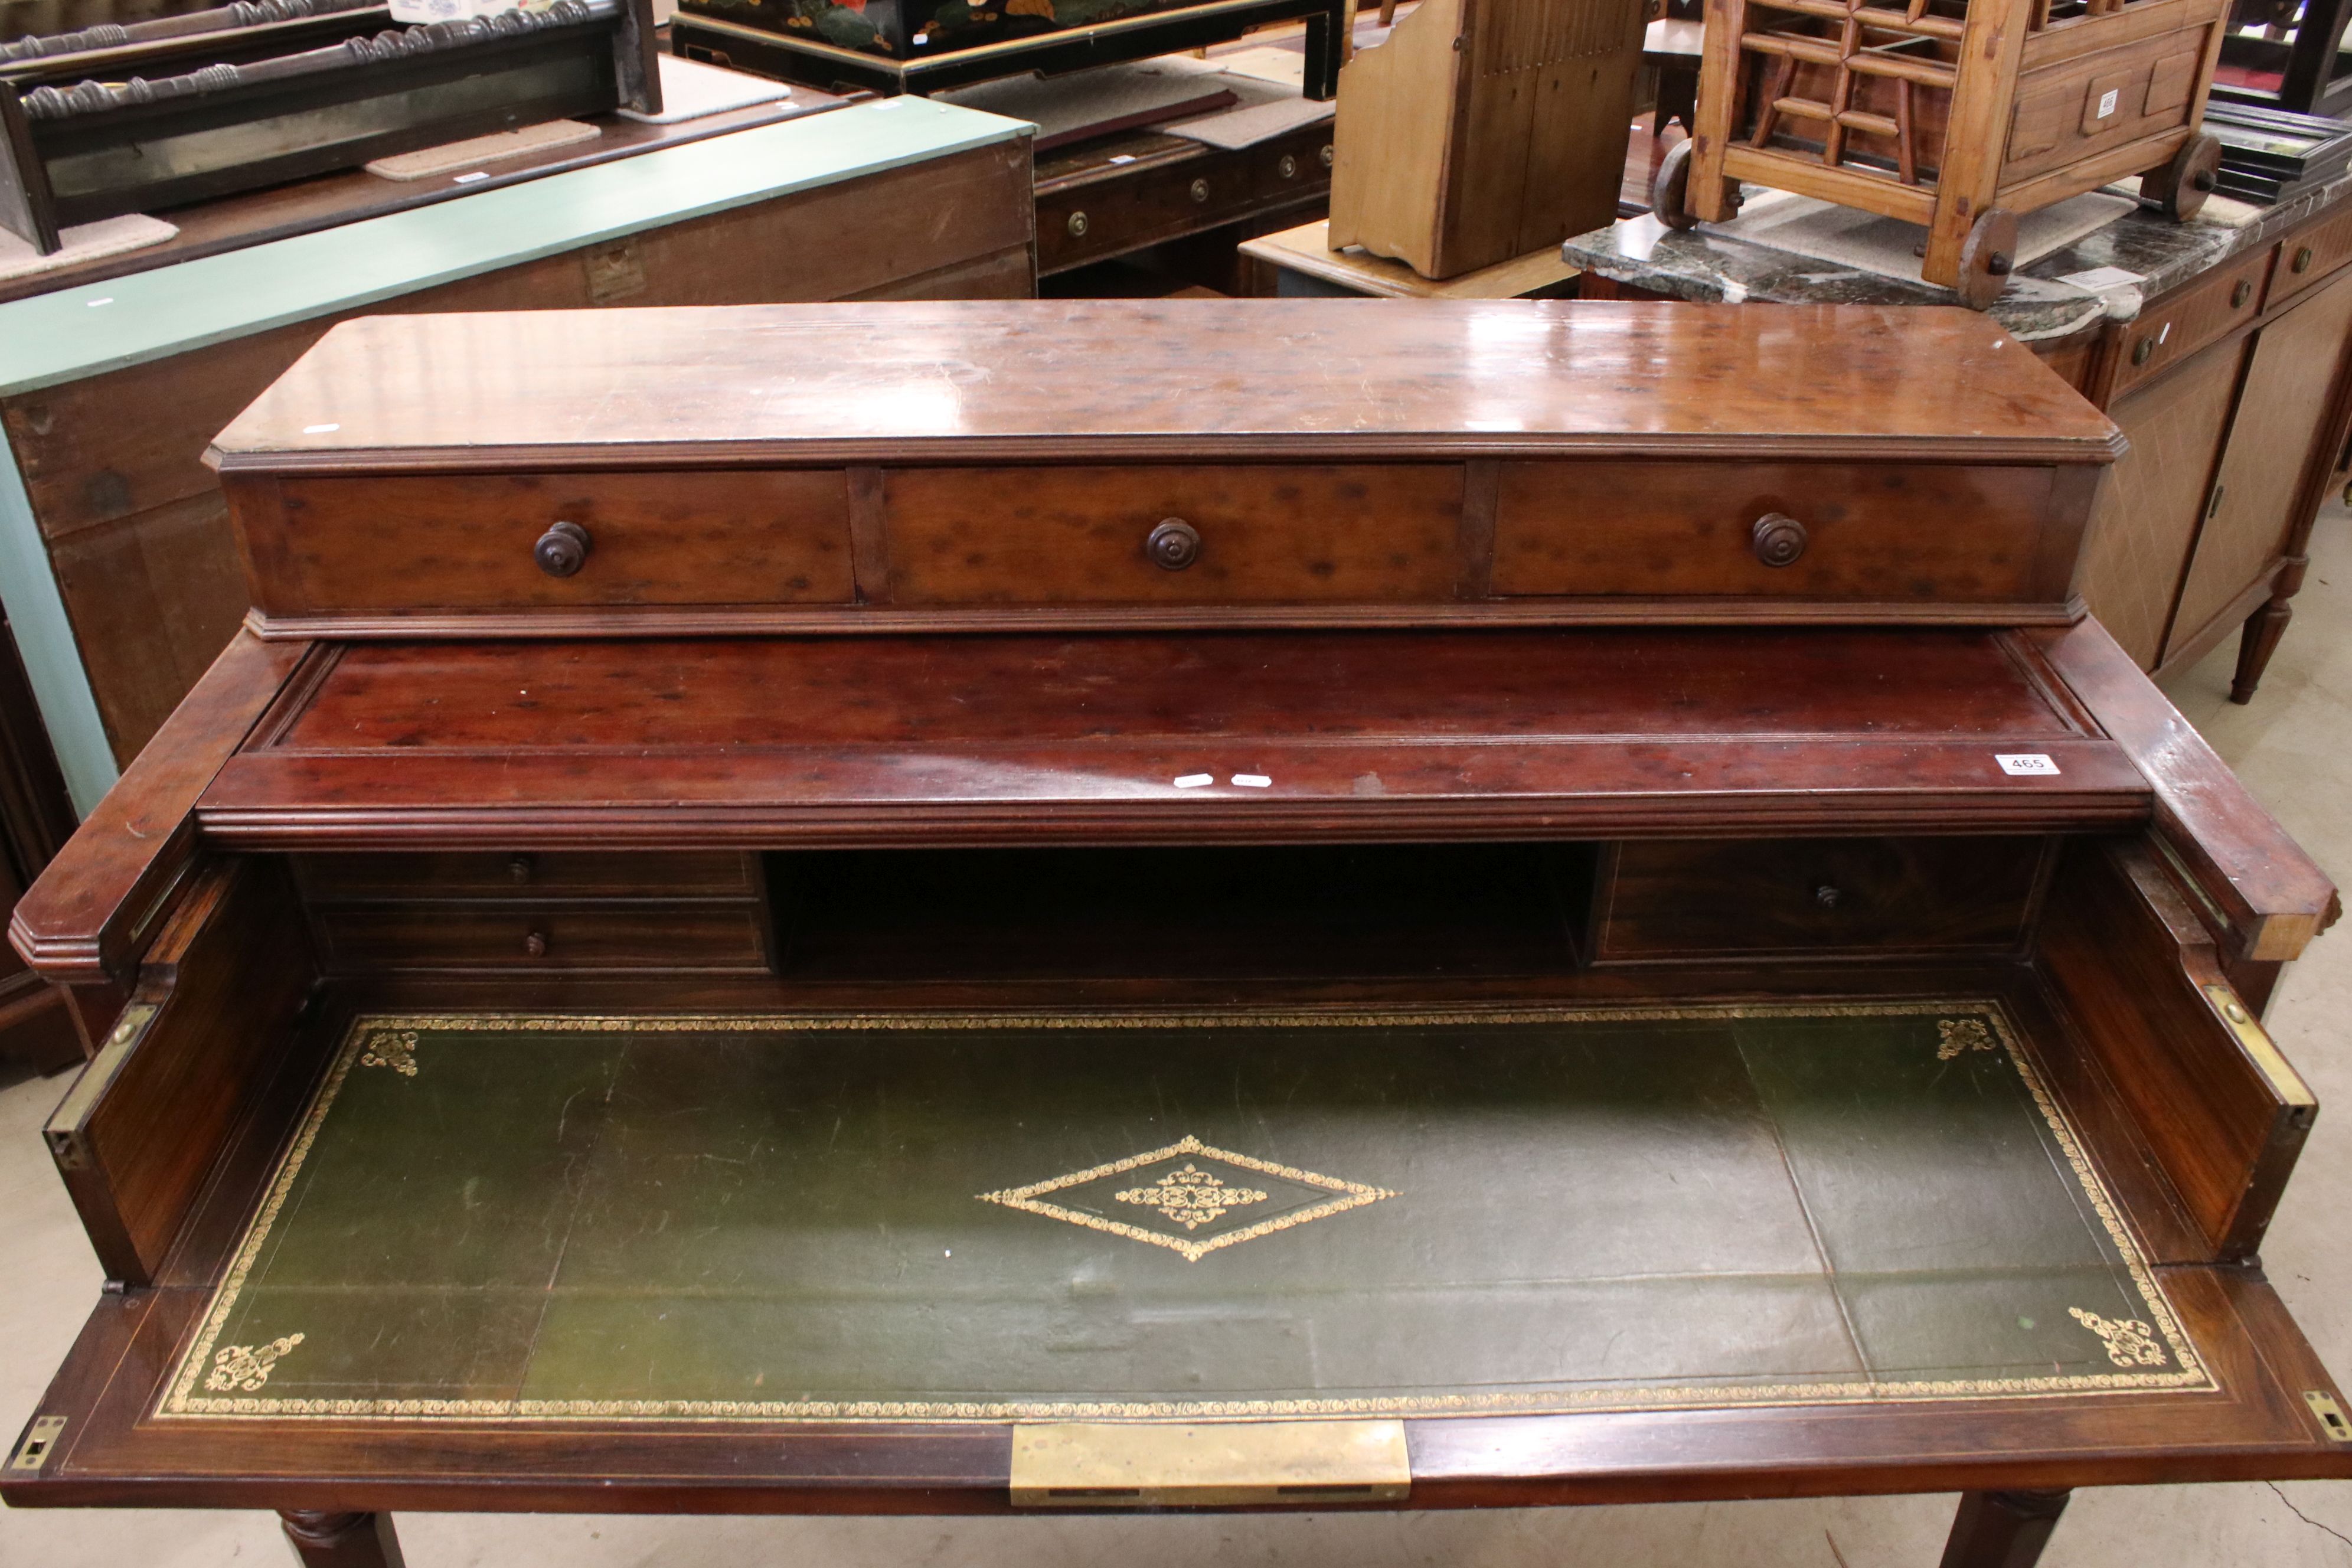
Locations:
1194 781
2026 764
2108 101
1253 781
2101 278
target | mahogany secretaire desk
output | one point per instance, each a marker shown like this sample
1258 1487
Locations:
955 908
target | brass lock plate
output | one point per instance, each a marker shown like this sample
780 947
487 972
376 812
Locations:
40 1441
2331 1414
1217 1464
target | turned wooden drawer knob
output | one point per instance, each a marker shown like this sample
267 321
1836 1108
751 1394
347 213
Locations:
1173 545
561 550
518 868
534 944
1827 895
1778 538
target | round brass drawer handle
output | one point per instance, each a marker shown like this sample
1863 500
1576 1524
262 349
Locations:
2240 294
1200 190
1076 225
2302 262
1325 154
1287 166
563 550
1777 539
1173 545
534 944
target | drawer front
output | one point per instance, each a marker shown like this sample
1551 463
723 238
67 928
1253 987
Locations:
1106 217
1917 533
685 937
1086 535
2095 103
1678 900
2176 327
2310 256
525 874
480 541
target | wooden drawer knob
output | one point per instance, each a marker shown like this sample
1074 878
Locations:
1779 539
534 944
563 550
1827 897
1173 545
518 868
1200 190
1287 166
1077 226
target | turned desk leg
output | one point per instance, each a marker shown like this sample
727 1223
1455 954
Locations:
2256 645
342 1539
2002 1530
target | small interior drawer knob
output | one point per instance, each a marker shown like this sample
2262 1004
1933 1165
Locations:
1828 897
1173 545
1779 539
563 550
518 868
534 944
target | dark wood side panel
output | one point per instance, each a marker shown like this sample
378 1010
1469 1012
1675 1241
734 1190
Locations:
2136 973
2274 898
137 1136
90 913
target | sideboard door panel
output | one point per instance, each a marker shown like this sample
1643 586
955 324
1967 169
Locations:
2149 503
2285 403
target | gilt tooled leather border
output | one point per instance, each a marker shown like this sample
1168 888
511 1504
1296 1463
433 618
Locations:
186 1397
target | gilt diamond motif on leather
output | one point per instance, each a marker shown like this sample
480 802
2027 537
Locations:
1189 1197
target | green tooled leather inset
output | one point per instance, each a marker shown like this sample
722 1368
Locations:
771 1217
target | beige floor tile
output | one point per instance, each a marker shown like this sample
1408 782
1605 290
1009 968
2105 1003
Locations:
2294 747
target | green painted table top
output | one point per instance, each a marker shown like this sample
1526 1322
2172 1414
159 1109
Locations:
74 333
777 1217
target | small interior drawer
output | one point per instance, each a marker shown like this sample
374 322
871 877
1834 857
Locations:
2176 327
1176 534
1819 530
1677 899
2305 257
728 938
499 541
525 874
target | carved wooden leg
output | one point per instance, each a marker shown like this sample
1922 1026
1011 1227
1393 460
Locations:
2002 1530
342 1539
2256 645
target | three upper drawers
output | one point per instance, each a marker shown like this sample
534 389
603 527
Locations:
986 464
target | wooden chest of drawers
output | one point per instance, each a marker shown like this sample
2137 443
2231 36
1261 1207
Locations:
1397 906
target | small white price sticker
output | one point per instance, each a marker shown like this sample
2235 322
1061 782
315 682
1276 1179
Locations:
2108 101
1195 781
1253 781
2026 764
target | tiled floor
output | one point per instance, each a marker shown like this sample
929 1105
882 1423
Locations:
2293 745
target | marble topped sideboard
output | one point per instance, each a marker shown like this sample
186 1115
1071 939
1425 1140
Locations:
2227 360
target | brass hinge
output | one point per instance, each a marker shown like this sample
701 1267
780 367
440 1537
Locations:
2286 1082
40 1441
2330 1413
1109 1464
